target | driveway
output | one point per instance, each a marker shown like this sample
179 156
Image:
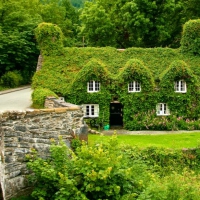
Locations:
15 99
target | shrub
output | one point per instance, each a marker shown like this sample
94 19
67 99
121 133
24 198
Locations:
110 171
176 186
12 79
39 95
190 42
50 38
98 172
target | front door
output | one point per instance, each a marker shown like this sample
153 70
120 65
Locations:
116 114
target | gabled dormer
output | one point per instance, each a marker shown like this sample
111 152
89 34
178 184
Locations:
91 89
177 78
179 89
135 77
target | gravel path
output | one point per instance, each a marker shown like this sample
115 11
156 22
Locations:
126 132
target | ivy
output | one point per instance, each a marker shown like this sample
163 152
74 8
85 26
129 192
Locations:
49 38
66 71
183 104
190 42
93 70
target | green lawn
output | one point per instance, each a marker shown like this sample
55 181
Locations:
182 140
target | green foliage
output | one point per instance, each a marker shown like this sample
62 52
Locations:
187 104
62 14
130 23
12 79
156 69
97 71
175 186
93 173
190 42
17 45
149 121
50 38
109 171
97 27
135 70
39 95
75 143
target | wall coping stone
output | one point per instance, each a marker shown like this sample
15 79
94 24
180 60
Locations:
21 114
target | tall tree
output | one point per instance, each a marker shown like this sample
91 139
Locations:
17 45
143 23
97 27
63 14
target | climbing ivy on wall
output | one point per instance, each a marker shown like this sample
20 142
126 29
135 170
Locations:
66 72
49 38
190 41
135 102
182 104
97 71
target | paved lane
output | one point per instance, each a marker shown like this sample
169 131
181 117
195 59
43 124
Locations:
17 100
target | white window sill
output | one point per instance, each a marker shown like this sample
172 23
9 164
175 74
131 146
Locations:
181 91
162 114
91 116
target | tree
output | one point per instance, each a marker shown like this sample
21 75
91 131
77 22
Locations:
17 45
63 14
97 26
140 23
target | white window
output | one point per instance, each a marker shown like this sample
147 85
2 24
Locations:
134 87
91 110
93 86
180 86
162 109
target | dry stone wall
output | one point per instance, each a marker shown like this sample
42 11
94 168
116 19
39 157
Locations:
22 131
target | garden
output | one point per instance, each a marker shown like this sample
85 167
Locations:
114 167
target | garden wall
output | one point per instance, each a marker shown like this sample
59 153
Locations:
32 129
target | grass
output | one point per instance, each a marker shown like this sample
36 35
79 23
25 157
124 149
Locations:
176 141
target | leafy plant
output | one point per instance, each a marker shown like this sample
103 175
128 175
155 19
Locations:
39 95
190 42
93 172
12 79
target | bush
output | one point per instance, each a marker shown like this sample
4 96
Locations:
98 172
190 42
176 186
12 79
110 171
39 95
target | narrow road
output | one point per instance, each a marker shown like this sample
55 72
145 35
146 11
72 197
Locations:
15 100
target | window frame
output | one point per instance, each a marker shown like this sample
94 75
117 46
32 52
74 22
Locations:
134 85
91 110
93 86
162 109
178 85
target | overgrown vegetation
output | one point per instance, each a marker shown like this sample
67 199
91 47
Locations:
110 171
39 95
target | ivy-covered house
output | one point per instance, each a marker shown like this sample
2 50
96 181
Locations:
137 88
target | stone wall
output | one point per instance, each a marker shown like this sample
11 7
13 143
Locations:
21 131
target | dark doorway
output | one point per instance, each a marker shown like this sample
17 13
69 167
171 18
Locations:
116 114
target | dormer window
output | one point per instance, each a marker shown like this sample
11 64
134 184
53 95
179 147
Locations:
180 86
134 87
162 109
93 86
